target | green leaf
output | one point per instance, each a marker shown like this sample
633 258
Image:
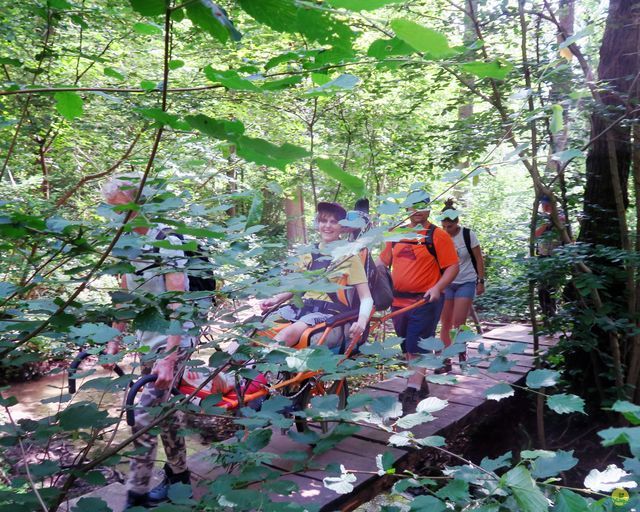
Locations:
552 464
157 114
98 333
225 130
147 29
175 64
542 378
212 19
6 289
95 478
499 391
314 24
150 7
629 410
60 4
361 5
431 441
426 503
230 79
258 439
496 69
557 122
85 504
569 501
8 61
148 85
113 73
455 490
263 152
566 155
564 403
342 484
383 48
423 39
69 105
255 212
609 479
622 435
283 83
343 83
45 468
350 182
82 415
528 496
431 404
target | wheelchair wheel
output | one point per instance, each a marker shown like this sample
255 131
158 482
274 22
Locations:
321 388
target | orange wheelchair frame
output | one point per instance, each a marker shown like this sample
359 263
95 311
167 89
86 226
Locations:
302 385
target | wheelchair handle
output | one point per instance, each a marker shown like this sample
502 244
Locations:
73 368
134 388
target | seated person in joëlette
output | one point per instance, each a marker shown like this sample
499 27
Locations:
320 306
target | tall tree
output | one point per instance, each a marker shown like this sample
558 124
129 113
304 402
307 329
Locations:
609 157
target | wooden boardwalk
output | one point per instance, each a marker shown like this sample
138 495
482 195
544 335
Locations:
467 404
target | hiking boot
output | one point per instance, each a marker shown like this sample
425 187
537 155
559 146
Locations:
160 492
445 368
135 499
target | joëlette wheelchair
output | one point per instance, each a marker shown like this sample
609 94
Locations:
300 387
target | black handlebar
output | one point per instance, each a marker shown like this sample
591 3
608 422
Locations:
133 391
73 368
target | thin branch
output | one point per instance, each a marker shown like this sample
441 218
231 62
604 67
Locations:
85 179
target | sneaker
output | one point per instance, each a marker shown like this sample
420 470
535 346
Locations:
135 499
160 493
445 368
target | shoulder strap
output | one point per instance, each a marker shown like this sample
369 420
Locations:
430 245
466 234
318 263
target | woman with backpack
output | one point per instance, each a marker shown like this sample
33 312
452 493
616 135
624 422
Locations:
468 283
320 306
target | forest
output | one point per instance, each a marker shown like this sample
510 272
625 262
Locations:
221 127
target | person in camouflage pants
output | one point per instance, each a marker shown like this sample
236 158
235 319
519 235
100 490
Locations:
157 271
141 468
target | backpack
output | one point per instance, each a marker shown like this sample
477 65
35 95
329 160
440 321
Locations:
428 243
466 235
202 279
380 283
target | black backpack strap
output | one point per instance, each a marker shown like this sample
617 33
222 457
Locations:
320 262
428 243
161 235
466 235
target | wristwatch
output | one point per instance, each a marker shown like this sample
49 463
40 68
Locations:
480 281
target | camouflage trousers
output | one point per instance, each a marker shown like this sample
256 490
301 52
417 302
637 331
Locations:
146 446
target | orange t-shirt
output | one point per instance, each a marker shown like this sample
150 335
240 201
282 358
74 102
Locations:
413 268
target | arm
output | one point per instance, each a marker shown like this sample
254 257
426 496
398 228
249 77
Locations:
366 305
275 300
165 368
477 252
449 274
113 346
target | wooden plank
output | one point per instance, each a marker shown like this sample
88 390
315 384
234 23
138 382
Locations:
518 332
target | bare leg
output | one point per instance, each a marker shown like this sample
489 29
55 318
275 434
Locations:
460 312
291 334
446 322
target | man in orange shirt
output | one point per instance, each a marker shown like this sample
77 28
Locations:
421 267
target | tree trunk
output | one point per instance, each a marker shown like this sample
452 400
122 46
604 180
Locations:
294 210
617 69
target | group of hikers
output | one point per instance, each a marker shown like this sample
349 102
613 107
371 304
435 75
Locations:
437 269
